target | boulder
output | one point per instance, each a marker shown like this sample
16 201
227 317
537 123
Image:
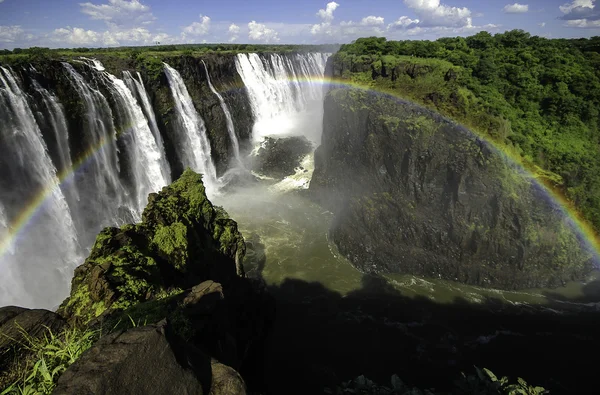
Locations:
280 157
415 193
19 329
144 360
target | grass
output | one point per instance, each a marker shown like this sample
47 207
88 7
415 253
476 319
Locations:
51 355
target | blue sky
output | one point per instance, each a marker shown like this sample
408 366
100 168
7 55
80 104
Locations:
95 23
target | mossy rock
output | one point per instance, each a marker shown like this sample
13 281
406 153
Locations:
182 240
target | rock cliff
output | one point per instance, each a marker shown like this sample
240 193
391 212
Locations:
415 193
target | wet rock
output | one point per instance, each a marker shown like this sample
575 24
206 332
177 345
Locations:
414 193
279 157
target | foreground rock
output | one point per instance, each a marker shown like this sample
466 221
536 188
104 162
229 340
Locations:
414 193
280 157
182 263
19 328
146 360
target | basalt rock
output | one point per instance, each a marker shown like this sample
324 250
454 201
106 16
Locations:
415 193
279 157
182 241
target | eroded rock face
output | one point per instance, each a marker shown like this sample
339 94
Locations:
16 325
182 240
414 193
279 157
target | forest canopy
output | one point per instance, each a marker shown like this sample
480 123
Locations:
539 98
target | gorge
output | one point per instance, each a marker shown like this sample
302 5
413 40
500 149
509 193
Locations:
399 206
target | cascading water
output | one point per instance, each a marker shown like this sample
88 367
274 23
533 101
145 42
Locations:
285 93
230 129
194 144
137 87
104 200
146 159
39 271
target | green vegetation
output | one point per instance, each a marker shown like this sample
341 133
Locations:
538 99
51 356
483 383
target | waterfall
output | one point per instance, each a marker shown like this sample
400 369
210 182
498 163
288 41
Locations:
146 159
40 269
99 178
137 86
285 93
193 144
230 129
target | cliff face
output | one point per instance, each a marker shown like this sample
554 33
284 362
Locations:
224 77
414 193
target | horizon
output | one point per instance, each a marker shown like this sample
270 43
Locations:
128 23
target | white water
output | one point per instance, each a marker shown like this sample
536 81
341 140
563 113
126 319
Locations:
286 95
230 128
100 176
147 159
39 272
193 143
137 86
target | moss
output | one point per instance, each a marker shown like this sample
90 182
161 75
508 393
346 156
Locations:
171 241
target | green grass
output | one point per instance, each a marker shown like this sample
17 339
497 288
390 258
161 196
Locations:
51 356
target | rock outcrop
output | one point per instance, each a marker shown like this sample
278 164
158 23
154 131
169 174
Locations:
280 157
415 193
182 240
147 360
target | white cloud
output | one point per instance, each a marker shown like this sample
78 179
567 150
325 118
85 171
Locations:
581 14
75 36
583 23
119 13
10 34
327 14
432 13
543 24
198 28
403 22
260 32
372 21
233 31
516 8
1 1
568 7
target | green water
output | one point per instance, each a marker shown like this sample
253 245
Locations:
293 231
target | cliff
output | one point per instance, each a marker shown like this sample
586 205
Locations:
415 193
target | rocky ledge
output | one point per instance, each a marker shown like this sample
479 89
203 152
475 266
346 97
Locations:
169 296
415 193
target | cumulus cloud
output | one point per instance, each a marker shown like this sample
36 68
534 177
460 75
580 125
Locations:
78 36
372 21
432 13
516 8
327 14
198 28
260 32
75 36
403 22
581 14
10 34
233 31
119 13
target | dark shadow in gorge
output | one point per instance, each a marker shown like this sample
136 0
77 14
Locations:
321 338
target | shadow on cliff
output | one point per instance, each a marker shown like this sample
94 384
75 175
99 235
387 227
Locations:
321 338
590 293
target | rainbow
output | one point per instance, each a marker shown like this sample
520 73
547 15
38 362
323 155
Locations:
28 214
